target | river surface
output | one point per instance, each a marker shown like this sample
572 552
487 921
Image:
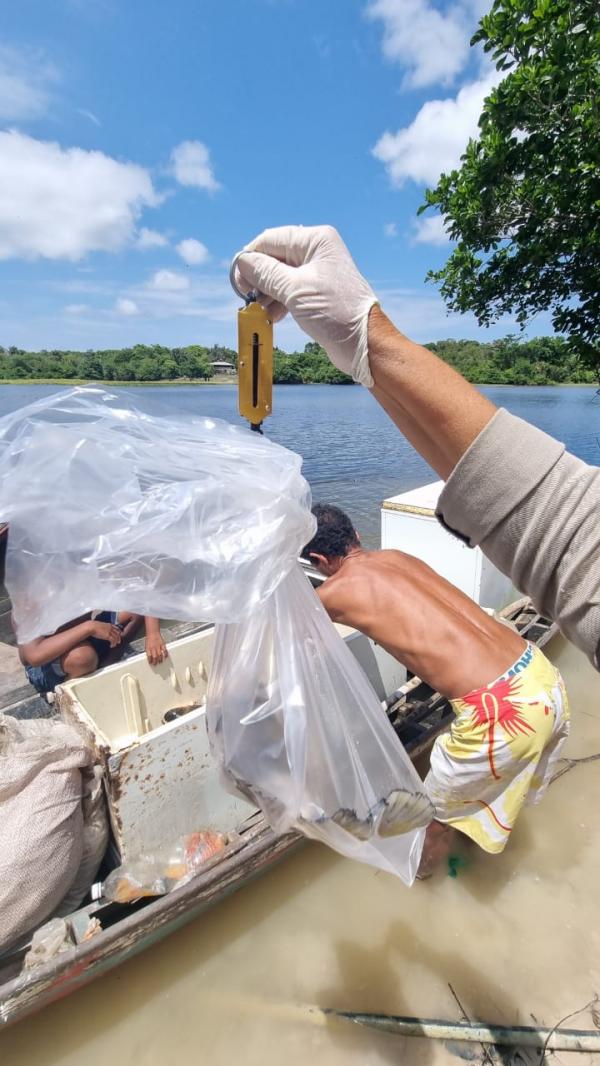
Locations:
514 937
353 455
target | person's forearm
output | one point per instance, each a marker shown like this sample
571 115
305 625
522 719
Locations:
131 624
49 648
439 412
152 626
419 439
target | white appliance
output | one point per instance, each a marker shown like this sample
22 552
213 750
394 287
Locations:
408 523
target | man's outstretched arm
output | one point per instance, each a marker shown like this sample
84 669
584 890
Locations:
439 412
533 508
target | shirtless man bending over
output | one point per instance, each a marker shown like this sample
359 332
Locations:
511 708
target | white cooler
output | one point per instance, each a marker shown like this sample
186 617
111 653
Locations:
408 523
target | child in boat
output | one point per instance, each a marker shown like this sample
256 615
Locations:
82 646
511 708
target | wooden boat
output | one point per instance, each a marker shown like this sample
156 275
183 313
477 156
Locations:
417 713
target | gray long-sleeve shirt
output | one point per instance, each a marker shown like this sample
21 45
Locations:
534 509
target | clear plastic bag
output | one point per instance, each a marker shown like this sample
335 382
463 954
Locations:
155 875
113 509
297 726
48 941
110 507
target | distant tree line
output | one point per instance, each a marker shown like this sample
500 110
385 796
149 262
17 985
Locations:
309 367
513 361
143 362
510 361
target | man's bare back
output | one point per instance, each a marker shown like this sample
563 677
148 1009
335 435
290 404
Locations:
421 619
512 712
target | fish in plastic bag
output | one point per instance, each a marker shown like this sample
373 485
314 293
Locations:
197 519
297 726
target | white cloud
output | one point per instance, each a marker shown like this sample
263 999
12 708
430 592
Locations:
60 203
433 46
26 78
171 295
168 281
150 238
430 229
390 229
437 136
76 309
191 165
193 252
89 114
422 314
100 288
123 306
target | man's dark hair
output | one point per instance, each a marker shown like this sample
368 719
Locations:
335 533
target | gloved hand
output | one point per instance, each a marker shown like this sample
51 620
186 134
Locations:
308 271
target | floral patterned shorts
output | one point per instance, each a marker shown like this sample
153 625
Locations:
501 750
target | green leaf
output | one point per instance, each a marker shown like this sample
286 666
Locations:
523 206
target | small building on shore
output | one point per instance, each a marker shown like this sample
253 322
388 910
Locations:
221 367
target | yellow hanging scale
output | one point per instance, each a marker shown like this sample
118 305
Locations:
255 358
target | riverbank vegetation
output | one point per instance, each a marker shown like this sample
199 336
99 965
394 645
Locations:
510 361
523 206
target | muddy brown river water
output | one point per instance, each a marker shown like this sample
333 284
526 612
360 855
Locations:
516 936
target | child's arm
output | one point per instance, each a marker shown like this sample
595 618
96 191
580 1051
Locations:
156 649
44 650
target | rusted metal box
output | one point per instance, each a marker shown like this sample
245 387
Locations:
161 780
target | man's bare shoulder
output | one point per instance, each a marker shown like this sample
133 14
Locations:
330 595
386 560
395 556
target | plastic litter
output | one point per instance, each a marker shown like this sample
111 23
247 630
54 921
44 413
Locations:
49 941
156 875
59 935
198 519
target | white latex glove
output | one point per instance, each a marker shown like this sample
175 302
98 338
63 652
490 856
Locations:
308 271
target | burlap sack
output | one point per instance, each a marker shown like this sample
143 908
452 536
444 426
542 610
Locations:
41 820
95 840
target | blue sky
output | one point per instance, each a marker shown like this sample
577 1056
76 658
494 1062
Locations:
142 143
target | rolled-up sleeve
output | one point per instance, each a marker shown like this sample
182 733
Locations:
534 509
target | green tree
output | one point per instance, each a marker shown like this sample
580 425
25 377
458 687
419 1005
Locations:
20 366
148 369
122 364
285 372
89 365
524 206
193 362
